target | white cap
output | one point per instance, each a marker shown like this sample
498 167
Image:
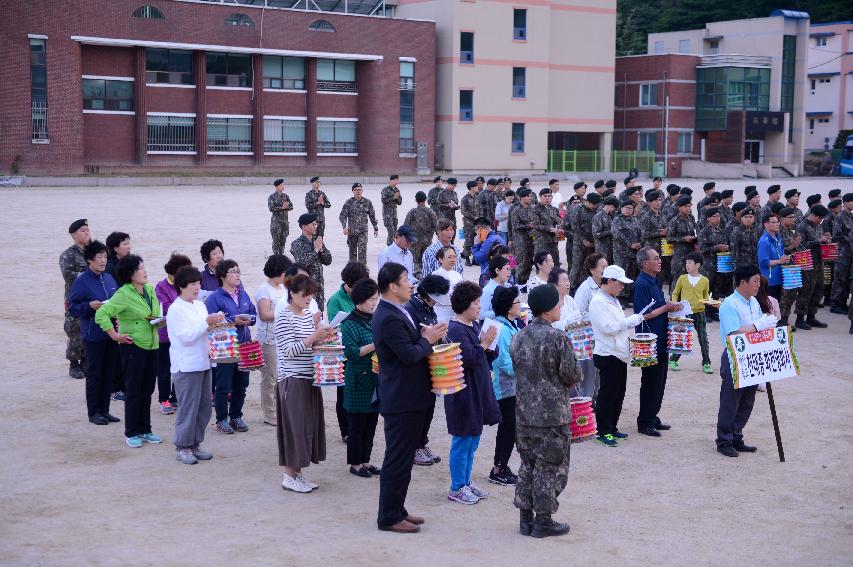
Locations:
614 272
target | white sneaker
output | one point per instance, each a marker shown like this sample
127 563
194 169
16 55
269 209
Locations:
463 496
308 483
423 459
294 484
477 491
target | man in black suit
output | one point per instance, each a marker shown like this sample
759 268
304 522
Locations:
404 393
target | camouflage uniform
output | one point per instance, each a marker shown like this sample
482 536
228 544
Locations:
789 296
651 224
826 227
432 198
279 223
726 215
470 209
581 230
488 200
546 373
303 252
391 199
567 230
354 215
812 290
744 246
668 209
677 229
626 231
445 211
523 221
311 198
709 238
425 223
548 216
842 233
71 265
602 234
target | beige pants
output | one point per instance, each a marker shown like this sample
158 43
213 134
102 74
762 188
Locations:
268 377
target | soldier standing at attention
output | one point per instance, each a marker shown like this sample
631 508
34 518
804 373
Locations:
774 194
792 199
842 233
834 207
681 233
812 236
279 203
425 223
602 223
546 373
448 202
582 239
71 265
726 213
432 196
626 242
523 221
316 202
744 241
712 240
708 189
488 200
548 225
653 228
470 209
391 199
310 251
355 213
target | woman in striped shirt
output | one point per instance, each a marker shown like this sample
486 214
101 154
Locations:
299 405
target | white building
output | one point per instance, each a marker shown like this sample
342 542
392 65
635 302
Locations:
829 98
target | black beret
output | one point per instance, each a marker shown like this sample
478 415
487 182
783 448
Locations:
751 195
451 181
471 184
709 185
835 193
819 211
653 195
847 197
524 181
774 189
673 189
315 178
657 178
628 180
812 199
739 206
356 184
543 298
626 203
77 225
393 177
436 179
790 193
420 197
552 181
749 188
610 183
523 192
787 211
747 211
480 179
716 195
608 191
683 200
594 198
834 203
492 181
599 183
580 184
307 218
776 207
612 200
545 191
685 191
711 211
631 190
507 179
277 182
726 193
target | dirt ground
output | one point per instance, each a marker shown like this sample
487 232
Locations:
75 494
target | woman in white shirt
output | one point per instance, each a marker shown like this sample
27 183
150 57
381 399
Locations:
188 321
570 313
543 263
594 264
446 257
499 273
266 298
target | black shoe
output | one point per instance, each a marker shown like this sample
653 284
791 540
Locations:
111 418
837 310
525 524
741 447
663 426
812 321
544 526
98 419
727 450
361 471
801 323
504 477
75 371
650 431
375 471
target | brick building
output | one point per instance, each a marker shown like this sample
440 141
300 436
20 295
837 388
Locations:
131 85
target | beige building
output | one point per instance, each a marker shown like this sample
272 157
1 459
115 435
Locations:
749 67
515 79
829 102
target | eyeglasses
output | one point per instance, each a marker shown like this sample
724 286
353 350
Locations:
233 271
516 302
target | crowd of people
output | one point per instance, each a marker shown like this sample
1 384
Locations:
126 336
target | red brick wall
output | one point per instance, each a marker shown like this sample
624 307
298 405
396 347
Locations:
727 146
108 139
109 61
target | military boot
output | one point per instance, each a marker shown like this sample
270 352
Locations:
544 526
525 524
75 371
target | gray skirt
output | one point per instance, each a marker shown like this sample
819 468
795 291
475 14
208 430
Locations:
301 426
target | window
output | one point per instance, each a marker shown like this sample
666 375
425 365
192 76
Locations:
171 134
229 135
321 26
336 75
147 12
519 82
466 106
517 138
823 120
659 48
466 47
824 81
101 94
239 20
720 89
519 24
684 46
38 89
229 70
649 95
407 122
646 141
789 62
336 137
820 41
813 83
685 142
284 136
407 75
169 66
811 124
714 46
284 72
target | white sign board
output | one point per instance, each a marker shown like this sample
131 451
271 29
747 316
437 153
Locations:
763 356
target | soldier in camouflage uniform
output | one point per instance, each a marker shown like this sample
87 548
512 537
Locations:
653 228
448 202
470 209
842 233
744 241
279 204
355 213
548 225
627 240
425 223
669 209
583 242
681 233
391 199
726 214
571 206
790 243
317 202
546 374
432 196
71 265
792 196
834 207
601 227
774 194
712 240
811 237
488 200
523 221
310 251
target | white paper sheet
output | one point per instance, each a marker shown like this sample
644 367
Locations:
339 318
684 311
488 324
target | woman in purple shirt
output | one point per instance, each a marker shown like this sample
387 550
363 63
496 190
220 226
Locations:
166 295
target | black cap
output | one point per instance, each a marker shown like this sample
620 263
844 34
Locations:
77 225
451 181
594 198
315 178
545 191
406 230
711 211
790 193
612 200
747 211
543 298
739 206
716 196
480 179
307 218
524 181
492 181
507 179
393 177
685 191
574 199
420 197
776 207
834 203
726 193
437 178
834 193
657 178
523 192
628 179
708 186
599 183
683 200
750 195
819 211
787 211
277 182
610 183
774 189
749 188
631 190
653 195
471 184
847 197
580 184
356 184
812 199
626 203
608 191
672 189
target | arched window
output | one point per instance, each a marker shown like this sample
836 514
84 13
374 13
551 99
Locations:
240 20
148 12
322 26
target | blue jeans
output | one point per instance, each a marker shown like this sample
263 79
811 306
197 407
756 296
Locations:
461 460
229 380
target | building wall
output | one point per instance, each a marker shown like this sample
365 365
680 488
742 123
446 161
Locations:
830 93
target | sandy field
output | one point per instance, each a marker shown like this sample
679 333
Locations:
75 494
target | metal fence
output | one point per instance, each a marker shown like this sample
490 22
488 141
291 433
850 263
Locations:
40 121
592 160
626 160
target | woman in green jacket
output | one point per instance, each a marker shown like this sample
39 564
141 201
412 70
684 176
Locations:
134 305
